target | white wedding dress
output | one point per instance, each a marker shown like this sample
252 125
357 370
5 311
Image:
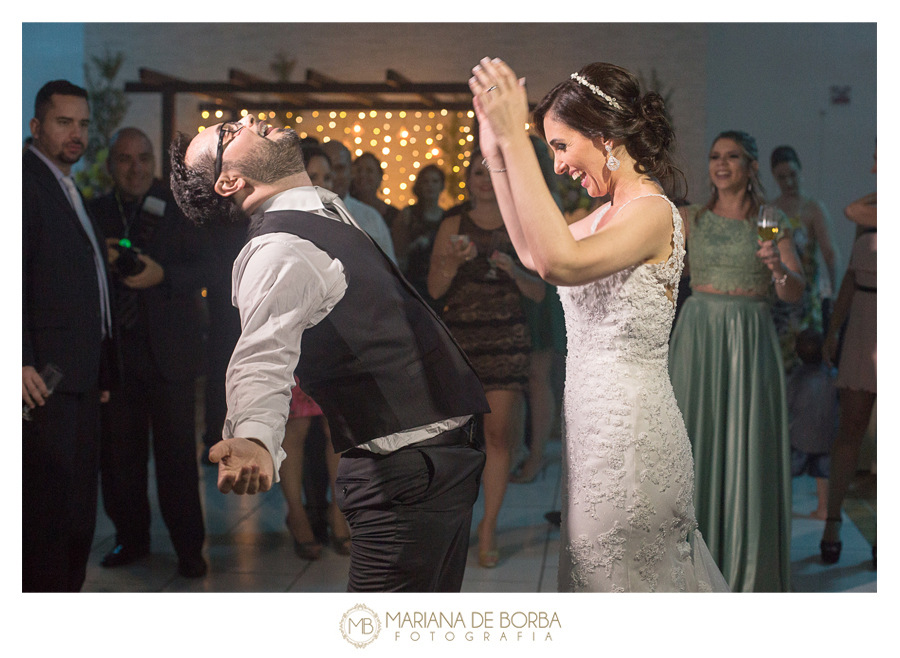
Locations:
628 474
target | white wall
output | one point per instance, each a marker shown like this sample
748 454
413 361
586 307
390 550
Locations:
771 80
774 80
424 52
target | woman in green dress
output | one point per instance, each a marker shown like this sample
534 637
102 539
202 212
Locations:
727 371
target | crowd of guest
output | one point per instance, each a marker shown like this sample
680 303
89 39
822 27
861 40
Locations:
112 298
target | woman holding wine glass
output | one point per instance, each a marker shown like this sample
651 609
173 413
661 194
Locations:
727 372
473 263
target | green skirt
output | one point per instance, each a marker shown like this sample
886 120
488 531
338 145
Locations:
726 368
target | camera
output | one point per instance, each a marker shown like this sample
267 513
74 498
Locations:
128 263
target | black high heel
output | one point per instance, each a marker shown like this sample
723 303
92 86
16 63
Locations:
307 550
831 550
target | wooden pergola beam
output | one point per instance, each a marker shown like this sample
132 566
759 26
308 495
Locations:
318 91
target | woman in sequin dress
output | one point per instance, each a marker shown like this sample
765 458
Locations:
475 270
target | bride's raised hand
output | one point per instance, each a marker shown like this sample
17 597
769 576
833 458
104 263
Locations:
501 99
487 140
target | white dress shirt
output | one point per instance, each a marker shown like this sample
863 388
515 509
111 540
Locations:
282 285
371 221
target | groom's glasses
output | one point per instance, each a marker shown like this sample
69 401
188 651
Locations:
232 128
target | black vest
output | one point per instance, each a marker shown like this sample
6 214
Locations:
381 361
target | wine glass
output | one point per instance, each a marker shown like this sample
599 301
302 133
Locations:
767 223
51 376
497 240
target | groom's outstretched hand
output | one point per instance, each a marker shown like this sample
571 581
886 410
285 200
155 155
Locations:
245 466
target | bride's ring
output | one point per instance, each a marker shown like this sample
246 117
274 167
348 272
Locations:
491 88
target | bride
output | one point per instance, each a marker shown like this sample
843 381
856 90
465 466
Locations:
628 518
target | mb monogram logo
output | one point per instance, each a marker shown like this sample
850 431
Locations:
360 626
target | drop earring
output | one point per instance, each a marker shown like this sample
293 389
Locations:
612 162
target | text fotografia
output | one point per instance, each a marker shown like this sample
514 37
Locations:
479 626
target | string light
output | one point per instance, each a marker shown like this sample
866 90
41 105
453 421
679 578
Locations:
446 136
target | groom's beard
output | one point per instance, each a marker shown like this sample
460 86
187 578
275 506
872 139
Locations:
273 160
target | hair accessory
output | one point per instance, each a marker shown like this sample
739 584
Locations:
612 162
597 91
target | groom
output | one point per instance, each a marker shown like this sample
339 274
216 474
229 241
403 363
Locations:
320 300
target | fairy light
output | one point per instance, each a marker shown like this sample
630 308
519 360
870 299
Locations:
403 140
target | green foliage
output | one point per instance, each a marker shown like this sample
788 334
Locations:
108 108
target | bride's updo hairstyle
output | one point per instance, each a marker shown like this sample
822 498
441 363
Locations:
604 100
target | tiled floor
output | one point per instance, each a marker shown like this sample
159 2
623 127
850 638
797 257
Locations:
249 549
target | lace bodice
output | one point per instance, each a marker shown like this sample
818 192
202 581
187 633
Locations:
722 252
628 313
627 511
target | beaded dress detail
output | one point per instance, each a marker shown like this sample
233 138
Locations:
628 520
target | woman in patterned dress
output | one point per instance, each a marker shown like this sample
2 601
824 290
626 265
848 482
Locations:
473 267
808 221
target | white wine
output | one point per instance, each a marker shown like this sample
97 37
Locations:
767 232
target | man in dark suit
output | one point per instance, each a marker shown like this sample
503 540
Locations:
156 268
65 316
319 299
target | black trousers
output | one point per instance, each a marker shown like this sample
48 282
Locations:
148 401
410 514
60 449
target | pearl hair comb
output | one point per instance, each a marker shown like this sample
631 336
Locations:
597 91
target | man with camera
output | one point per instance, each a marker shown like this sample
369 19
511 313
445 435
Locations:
156 275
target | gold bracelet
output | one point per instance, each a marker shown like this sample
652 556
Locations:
488 167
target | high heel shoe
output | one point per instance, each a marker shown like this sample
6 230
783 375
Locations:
525 475
488 559
307 550
831 550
